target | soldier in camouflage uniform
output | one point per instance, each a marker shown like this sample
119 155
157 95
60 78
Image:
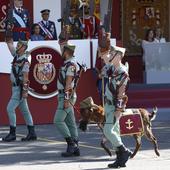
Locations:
64 117
114 104
20 84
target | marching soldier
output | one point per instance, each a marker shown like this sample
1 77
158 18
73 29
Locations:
19 18
114 102
20 85
47 27
64 117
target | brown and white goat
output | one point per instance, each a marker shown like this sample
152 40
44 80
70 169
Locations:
96 115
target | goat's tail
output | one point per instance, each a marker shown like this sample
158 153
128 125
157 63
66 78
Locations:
152 116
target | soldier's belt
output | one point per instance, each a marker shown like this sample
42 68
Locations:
14 85
109 102
61 91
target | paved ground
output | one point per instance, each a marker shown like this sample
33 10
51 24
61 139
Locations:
44 154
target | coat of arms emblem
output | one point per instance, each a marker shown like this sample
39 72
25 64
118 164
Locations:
44 71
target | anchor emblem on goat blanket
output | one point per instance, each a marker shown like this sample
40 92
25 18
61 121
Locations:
131 122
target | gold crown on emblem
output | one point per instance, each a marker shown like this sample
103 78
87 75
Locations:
44 58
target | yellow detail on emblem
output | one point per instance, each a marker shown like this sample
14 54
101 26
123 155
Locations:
129 124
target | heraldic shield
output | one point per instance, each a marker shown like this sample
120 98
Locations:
131 122
44 69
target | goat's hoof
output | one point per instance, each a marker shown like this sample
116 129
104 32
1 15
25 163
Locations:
157 153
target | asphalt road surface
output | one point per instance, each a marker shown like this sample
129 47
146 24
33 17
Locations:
44 154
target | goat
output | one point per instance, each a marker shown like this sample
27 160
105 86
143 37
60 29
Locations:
96 114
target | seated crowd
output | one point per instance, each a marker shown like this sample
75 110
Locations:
81 24
154 36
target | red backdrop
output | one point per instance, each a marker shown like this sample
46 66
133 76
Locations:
43 110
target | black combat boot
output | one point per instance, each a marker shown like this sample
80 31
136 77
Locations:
31 134
71 148
11 136
116 163
77 150
123 155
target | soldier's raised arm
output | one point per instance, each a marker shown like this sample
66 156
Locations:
10 44
64 37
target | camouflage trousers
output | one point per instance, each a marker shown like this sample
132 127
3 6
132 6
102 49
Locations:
15 102
111 127
65 118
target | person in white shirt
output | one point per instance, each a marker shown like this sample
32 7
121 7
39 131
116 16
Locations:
158 36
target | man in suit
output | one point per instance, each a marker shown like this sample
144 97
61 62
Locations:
19 18
47 27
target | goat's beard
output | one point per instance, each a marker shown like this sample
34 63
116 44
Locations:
83 125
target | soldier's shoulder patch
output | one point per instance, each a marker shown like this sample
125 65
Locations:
72 68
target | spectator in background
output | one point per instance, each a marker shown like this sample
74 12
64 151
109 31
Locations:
149 36
88 23
148 61
35 34
76 30
47 27
19 18
159 36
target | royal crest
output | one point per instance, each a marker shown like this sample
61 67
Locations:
44 71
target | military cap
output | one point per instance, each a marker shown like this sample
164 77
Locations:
70 47
45 10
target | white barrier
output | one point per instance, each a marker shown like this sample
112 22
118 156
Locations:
157 62
82 52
